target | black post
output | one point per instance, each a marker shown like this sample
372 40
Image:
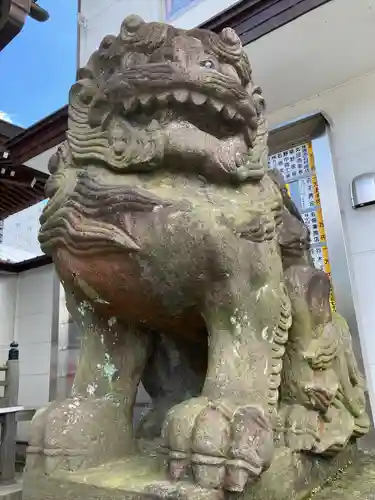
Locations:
8 420
14 353
12 375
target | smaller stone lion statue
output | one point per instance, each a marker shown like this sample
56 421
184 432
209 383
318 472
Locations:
187 267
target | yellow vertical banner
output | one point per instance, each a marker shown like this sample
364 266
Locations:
297 166
311 157
320 224
327 270
314 183
326 264
332 300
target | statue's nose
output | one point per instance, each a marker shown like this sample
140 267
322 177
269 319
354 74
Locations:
186 50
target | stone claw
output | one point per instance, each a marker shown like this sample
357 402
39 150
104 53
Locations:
178 464
225 445
237 475
208 472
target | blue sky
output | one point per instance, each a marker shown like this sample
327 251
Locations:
39 65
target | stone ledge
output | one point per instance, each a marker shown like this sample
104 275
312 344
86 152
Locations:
291 476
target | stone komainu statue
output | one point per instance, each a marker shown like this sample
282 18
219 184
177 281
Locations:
187 267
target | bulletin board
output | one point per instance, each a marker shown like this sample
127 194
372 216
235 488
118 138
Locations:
297 166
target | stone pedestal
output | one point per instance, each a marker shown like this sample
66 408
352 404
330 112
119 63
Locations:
291 476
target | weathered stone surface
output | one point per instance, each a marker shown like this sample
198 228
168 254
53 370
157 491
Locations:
291 476
187 266
356 482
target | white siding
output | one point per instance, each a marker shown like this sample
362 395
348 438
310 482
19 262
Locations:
26 312
103 17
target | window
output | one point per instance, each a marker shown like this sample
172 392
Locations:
173 8
19 235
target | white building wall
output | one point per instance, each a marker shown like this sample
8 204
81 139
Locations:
26 312
40 162
20 230
67 355
103 17
99 18
198 12
33 332
8 299
350 109
27 305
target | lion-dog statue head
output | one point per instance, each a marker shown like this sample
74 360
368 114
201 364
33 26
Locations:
156 97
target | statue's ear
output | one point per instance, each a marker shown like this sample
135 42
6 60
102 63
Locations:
317 295
132 23
230 37
259 102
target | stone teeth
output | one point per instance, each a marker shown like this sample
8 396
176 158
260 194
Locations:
216 105
229 112
154 125
198 99
275 382
163 97
144 99
181 95
130 104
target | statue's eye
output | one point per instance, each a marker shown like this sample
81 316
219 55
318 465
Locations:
169 57
207 63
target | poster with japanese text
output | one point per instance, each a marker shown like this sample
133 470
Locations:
298 169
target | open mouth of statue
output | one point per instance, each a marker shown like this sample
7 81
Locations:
207 113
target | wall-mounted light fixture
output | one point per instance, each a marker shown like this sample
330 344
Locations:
363 190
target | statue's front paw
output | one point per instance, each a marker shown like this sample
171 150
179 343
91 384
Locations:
77 432
225 444
324 349
301 427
